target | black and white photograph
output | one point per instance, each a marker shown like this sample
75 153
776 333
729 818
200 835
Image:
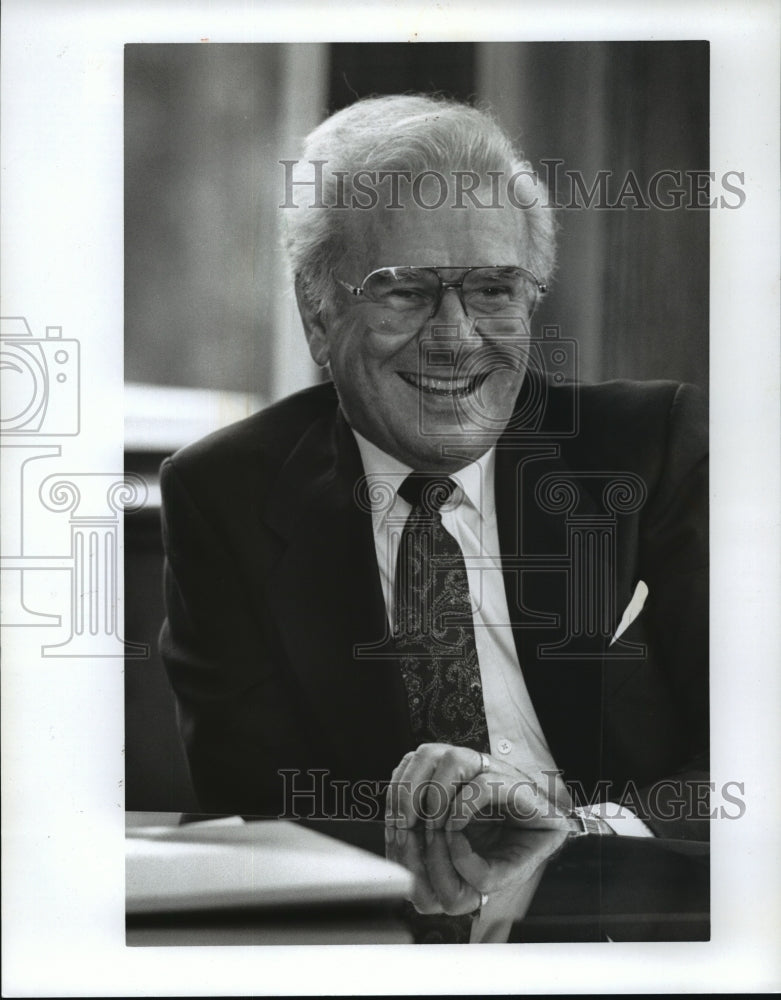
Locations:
465 683
383 506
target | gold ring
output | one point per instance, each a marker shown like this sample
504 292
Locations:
485 763
483 898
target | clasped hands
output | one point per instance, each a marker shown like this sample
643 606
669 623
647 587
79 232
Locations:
468 825
446 787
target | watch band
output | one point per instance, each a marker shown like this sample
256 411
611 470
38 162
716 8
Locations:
588 824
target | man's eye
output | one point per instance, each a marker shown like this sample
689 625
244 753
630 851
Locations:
404 296
494 291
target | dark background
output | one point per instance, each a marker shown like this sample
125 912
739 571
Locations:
205 300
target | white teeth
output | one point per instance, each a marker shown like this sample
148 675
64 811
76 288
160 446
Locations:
440 386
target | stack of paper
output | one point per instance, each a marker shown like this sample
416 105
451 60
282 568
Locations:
228 863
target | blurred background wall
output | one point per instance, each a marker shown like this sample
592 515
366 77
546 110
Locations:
211 330
207 304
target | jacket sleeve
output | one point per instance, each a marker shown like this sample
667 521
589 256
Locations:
236 716
674 554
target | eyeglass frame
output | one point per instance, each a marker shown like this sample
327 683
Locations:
358 290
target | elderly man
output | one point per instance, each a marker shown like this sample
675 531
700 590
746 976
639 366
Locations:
448 564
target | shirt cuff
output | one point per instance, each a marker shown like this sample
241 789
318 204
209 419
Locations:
620 819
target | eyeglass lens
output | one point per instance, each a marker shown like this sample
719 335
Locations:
484 290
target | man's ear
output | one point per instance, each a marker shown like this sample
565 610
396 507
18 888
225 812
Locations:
314 328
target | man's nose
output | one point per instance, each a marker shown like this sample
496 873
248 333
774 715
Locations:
451 313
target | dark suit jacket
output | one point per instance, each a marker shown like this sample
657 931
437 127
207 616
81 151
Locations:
272 583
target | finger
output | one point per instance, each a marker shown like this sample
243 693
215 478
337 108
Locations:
396 784
392 794
402 765
411 785
491 795
472 797
502 795
409 853
455 767
471 866
454 895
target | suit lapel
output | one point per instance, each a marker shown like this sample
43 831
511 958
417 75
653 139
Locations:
327 600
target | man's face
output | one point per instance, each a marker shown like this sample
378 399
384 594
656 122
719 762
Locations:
438 395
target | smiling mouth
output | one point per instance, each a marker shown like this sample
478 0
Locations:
452 388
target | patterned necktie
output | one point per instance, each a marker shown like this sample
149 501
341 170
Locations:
434 628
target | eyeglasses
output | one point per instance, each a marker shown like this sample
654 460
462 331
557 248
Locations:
411 295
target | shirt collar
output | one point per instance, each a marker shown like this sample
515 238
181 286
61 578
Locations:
476 480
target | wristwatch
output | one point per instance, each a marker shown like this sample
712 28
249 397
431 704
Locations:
588 824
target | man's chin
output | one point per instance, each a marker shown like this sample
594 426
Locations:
469 425
450 451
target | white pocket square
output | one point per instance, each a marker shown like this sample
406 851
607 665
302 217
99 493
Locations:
633 609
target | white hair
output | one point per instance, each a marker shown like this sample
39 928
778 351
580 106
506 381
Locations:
414 133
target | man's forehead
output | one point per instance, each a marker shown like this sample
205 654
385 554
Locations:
413 234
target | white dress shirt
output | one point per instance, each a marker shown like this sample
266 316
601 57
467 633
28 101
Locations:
514 730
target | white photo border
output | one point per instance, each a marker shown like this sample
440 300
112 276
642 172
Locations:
63 815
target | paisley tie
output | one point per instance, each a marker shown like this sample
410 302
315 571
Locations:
433 623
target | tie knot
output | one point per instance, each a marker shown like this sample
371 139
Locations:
426 490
